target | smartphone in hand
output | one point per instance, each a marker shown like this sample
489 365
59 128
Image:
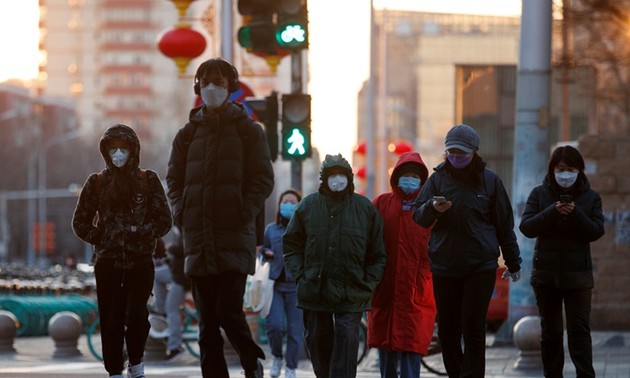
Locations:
439 199
566 198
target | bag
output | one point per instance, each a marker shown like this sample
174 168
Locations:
259 290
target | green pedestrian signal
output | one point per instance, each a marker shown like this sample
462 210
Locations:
296 126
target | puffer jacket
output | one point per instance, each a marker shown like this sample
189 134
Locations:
403 308
334 248
466 238
219 175
562 255
124 234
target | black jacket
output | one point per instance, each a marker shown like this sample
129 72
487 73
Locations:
562 256
219 175
125 232
466 238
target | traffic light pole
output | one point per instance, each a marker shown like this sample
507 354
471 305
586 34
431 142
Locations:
296 87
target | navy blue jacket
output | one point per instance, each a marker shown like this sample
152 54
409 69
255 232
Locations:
273 242
466 238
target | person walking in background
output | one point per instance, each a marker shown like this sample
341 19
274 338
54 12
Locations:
219 175
402 318
333 246
472 219
564 215
132 212
284 302
169 288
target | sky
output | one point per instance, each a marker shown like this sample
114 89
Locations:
338 55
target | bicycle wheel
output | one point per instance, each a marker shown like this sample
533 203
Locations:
190 334
94 339
433 360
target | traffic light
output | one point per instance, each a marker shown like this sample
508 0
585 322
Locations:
292 24
296 126
258 30
266 111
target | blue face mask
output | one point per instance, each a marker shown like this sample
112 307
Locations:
409 184
287 210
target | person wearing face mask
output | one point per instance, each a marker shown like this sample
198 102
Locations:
402 318
219 176
333 247
472 223
284 303
565 216
131 212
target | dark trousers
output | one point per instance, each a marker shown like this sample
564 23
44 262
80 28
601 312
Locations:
122 297
462 304
219 302
577 305
332 340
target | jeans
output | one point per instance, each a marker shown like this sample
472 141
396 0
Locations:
389 364
169 296
333 342
122 297
284 306
577 303
462 304
219 302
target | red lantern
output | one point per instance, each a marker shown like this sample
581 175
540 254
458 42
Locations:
361 172
272 59
361 148
400 147
181 43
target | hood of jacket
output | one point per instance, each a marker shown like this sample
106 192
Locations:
121 133
330 162
406 161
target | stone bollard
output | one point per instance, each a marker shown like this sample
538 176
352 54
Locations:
527 335
8 330
65 329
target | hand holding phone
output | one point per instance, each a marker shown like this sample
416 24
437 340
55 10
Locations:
566 198
439 199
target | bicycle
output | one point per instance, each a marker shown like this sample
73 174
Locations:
158 331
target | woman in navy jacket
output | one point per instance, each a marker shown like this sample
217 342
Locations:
565 215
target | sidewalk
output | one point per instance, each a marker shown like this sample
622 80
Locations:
33 358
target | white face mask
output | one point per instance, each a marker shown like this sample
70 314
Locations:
119 156
214 96
566 179
338 182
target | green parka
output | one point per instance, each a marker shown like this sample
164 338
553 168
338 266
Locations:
334 247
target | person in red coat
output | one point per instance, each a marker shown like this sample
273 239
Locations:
402 318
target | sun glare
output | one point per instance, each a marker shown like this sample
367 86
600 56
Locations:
19 35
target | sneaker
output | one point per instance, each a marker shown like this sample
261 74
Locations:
289 373
136 371
174 355
276 365
258 373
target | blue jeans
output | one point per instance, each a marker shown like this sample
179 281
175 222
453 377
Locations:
409 364
284 306
168 297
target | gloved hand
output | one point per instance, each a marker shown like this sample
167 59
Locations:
515 276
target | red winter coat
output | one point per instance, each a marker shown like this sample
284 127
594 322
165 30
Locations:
403 307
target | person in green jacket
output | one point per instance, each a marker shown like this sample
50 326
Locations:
334 248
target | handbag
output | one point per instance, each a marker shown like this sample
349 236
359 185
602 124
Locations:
259 290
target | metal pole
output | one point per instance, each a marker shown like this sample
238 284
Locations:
370 154
296 87
531 145
227 45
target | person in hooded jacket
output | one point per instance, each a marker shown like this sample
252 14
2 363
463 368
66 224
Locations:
472 224
284 302
219 175
333 247
564 215
132 213
402 318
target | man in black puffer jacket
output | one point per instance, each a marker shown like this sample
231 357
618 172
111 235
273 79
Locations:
219 176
